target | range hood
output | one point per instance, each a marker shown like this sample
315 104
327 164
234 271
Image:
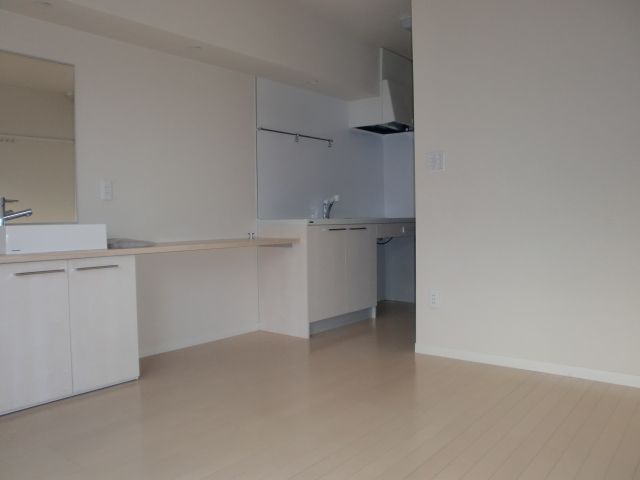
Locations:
392 110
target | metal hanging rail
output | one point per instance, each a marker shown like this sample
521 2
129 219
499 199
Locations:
10 138
298 136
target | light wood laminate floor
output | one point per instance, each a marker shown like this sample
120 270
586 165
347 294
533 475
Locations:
355 403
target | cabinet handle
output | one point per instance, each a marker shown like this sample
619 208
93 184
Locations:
39 272
358 228
335 229
97 267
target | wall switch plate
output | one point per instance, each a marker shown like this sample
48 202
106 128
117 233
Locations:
436 161
106 190
434 298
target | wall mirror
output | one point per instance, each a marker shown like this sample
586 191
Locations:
37 138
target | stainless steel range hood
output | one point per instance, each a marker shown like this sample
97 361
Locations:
392 110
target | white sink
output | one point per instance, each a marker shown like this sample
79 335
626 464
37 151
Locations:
20 239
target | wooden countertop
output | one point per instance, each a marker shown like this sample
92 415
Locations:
167 247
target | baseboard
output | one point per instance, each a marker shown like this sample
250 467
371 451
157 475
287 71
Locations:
332 323
192 342
523 364
398 300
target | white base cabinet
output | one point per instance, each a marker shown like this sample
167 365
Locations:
327 272
103 318
362 268
35 355
66 327
342 269
332 271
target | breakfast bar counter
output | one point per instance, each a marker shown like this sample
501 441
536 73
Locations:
165 247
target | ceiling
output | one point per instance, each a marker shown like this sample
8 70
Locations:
22 71
329 46
376 22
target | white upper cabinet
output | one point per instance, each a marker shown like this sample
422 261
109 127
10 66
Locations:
35 357
396 74
392 110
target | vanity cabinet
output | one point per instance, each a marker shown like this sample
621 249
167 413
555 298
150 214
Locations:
103 320
342 270
35 355
66 327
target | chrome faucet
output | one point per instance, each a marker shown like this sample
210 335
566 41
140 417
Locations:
327 205
10 214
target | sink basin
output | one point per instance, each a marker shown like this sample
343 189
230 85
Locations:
20 239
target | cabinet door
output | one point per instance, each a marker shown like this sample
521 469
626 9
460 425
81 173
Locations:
362 267
35 359
104 328
327 271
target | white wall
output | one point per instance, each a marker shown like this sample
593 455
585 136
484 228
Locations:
177 138
396 259
531 233
189 298
397 270
294 178
399 192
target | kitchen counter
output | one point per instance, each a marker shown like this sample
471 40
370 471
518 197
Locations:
341 221
167 247
331 273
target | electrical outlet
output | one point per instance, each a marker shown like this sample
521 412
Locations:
436 161
434 298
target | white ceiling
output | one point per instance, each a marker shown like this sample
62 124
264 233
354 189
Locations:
374 21
325 45
22 71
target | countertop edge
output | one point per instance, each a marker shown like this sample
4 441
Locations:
337 221
165 247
